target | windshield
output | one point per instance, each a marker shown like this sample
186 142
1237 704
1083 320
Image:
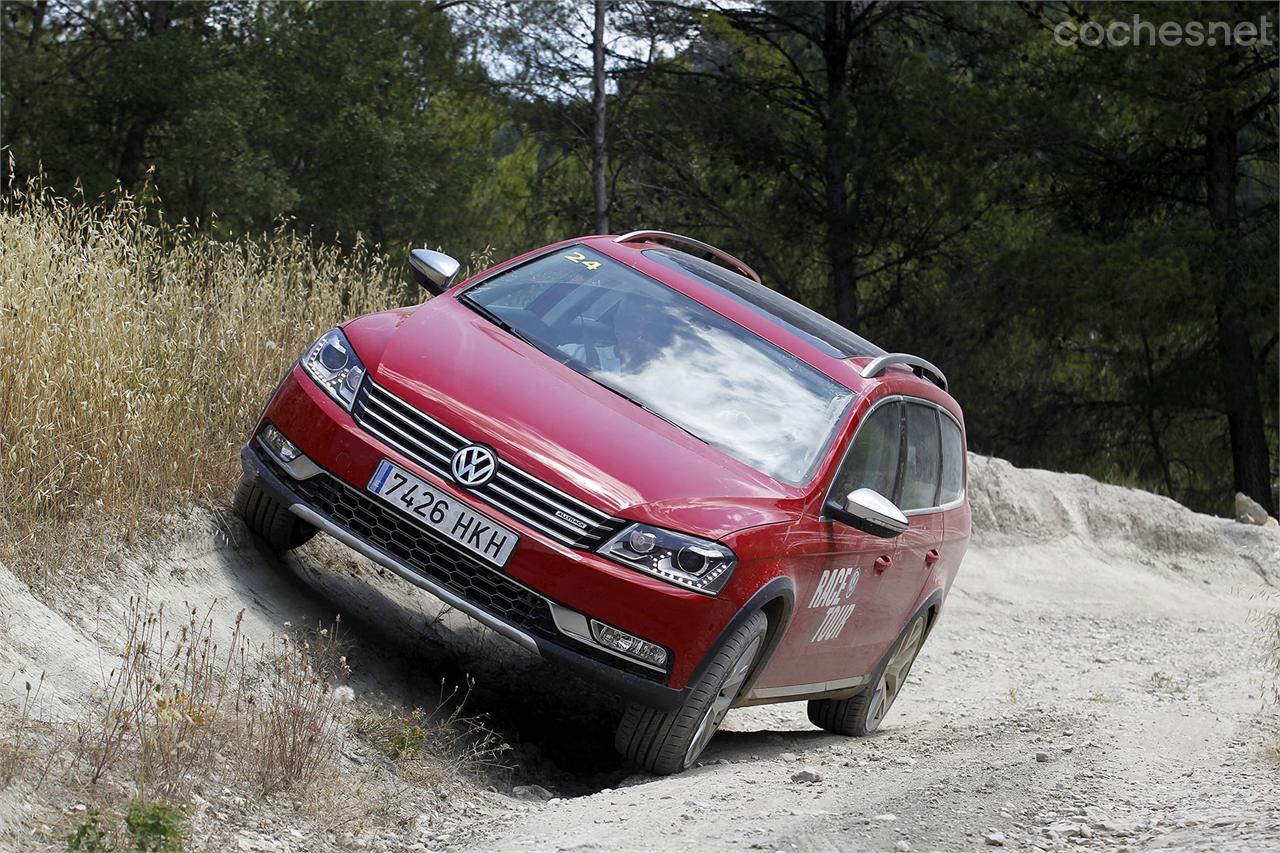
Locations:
675 357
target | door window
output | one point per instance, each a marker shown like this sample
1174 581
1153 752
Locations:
872 461
952 462
923 462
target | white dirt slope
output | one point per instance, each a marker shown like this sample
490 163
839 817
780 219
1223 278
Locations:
1094 683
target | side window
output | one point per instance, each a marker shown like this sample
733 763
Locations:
872 461
923 462
952 461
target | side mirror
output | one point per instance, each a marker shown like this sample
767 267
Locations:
433 270
871 512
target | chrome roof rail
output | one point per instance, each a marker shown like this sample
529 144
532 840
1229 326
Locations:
657 236
918 365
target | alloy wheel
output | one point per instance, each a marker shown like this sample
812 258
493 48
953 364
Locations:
719 707
895 673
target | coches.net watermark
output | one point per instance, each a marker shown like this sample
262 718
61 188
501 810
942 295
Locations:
1140 32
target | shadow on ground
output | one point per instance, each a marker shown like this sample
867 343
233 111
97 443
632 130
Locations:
407 649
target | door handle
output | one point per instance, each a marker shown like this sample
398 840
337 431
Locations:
883 563
931 556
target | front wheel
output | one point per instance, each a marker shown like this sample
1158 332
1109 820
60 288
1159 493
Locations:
862 714
270 519
665 742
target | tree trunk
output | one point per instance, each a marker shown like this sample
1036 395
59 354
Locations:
841 288
600 153
1238 367
1150 403
133 153
155 17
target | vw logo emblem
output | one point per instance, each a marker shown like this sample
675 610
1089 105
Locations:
473 466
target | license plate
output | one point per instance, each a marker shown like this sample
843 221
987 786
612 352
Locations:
447 516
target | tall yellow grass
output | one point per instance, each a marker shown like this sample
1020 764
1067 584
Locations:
135 355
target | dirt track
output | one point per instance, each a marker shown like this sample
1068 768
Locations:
1097 687
1093 683
1029 721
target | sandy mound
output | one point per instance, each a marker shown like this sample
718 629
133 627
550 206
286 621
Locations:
1081 607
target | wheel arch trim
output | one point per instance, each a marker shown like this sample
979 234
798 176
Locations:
777 599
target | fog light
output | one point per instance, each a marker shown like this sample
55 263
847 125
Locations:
628 644
283 447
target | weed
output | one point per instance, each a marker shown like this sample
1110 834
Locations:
161 710
148 828
180 709
155 827
294 734
1168 685
13 751
89 836
429 748
394 734
1269 622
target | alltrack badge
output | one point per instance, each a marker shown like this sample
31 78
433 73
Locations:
473 466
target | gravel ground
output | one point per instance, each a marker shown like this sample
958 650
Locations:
1052 729
1093 683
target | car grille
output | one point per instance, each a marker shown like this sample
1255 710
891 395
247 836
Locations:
427 555
432 445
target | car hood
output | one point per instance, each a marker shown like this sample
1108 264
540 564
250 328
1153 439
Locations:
567 430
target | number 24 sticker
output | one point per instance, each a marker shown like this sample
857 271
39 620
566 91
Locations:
579 258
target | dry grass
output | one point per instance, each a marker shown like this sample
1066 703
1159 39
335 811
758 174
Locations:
181 711
135 356
183 716
1271 649
429 749
194 713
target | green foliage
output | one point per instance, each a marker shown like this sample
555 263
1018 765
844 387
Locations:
150 827
395 735
1041 219
89 836
155 827
345 119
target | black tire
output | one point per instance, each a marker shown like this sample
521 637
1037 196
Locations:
270 519
861 715
663 742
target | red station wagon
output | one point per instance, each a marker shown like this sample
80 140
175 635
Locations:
631 457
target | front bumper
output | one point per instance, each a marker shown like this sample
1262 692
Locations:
259 466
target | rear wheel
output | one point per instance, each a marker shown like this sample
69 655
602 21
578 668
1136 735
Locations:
269 518
862 714
667 742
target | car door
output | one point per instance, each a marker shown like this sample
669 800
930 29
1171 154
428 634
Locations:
920 547
847 600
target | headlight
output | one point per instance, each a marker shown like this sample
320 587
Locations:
335 367
687 561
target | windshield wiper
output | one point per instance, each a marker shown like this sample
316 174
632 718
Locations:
496 320
648 409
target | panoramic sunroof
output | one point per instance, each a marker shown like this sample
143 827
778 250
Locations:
825 334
